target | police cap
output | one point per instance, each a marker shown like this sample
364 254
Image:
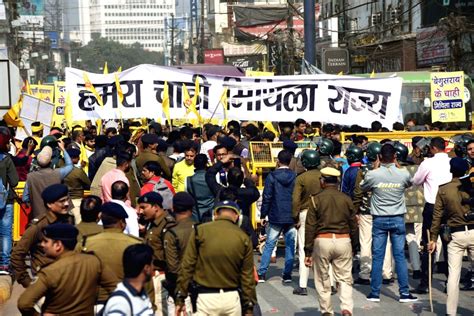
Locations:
153 198
114 210
182 201
60 231
73 152
54 192
150 139
231 205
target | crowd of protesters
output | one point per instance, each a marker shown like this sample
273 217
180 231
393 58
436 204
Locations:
136 218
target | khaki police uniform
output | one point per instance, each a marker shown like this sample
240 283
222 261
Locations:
154 238
219 258
449 204
330 231
69 285
87 229
175 241
109 247
306 185
362 205
30 244
77 181
148 155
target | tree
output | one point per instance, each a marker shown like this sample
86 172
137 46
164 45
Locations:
100 50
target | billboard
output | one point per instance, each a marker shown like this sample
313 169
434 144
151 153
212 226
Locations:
214 56
336 60
31 7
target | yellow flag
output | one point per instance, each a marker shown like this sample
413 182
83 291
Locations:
28 88
98 124
269 126
12 117
90 87
190 103
119 70
166 103
83 158
106 69
341 73
68 111
119 89
223 102
372 75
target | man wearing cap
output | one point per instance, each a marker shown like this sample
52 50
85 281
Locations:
56 201
175 241
330 233
37 131
219 275
37 181
149 153
111 243
76 181
151 208
69 284
450 203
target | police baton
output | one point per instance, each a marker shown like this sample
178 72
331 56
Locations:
429 272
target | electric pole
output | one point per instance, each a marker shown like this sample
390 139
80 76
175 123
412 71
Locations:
201 48
309 32
172 39
291 43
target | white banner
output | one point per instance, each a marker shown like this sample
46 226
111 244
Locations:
326 98
32 110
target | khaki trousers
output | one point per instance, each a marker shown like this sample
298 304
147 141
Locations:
461 241
365 240
76 211
303 269
337 252
223 303
160 295
413 239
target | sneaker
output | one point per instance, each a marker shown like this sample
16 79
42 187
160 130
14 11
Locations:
407 298
362 281
261 278
300 291
286 278
373 298
416 274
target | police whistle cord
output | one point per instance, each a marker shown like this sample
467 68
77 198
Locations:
429 272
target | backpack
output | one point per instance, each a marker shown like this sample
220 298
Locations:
165 192
3 194
117 293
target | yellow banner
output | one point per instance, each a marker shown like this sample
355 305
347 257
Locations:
447 92
59 103
43 92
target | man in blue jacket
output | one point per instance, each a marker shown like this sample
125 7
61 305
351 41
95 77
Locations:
277 205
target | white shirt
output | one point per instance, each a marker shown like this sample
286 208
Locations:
432 173
209 145
132 220
119 305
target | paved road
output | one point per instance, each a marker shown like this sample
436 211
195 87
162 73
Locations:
276 298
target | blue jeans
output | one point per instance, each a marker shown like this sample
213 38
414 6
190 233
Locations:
6 226
273 231
381 228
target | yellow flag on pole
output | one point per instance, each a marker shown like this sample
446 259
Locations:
119 70
166 102
190 103
341 73
89 86
223 102
372 75
12 117
119 89
106 69
28 88
68 111
269 126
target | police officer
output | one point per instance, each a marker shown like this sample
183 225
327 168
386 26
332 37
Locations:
330 232
175 241
219 274
451 202
362 204
69 284
111 243
306 185
56 200
151 208
325 149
